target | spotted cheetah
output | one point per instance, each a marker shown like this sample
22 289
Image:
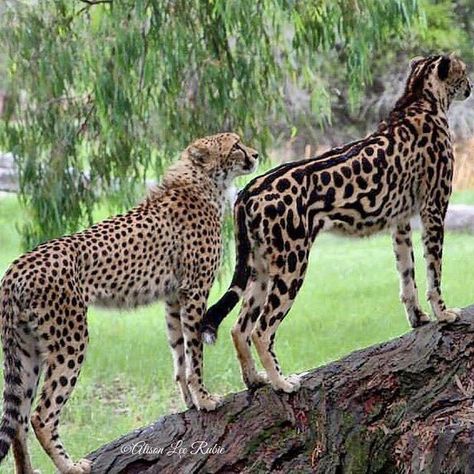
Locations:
168 248
402 169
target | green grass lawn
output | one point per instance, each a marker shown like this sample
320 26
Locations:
349 300
463 197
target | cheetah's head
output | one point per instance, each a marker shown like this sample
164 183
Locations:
222 155
444 75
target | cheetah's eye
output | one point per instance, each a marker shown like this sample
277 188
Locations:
237 147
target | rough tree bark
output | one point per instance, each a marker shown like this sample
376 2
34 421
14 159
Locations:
402 406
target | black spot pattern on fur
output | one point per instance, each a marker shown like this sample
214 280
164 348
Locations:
357 189
168 247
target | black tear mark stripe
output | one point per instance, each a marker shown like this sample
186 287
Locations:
242 150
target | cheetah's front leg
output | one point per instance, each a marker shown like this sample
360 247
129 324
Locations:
193 308
176 342
433 236
403 248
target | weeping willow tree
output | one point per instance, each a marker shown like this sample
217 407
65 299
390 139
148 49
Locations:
104 93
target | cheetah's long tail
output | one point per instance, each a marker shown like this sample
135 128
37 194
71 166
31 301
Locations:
12 387
216 313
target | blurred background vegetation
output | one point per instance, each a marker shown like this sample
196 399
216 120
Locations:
97 96
102 94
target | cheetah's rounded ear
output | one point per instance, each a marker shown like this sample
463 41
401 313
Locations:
443 67
198 153
414 61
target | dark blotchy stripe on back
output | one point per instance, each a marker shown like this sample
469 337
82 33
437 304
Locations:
311 165
413 90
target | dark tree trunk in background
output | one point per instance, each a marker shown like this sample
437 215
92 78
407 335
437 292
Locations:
401 406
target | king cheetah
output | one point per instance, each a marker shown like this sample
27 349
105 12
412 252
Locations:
168 248
402 169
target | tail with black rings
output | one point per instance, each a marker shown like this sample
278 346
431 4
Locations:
13 387
216 313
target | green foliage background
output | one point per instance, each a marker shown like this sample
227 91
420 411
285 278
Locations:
106 93
446 26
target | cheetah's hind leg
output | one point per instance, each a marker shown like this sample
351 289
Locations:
277 304
62 369
30 374
252 306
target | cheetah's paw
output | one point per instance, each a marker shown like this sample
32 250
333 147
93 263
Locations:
449 315
417 317
83 466
424 318
287 384
186 397
256 379
208 402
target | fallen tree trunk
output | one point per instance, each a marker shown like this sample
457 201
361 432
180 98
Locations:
402 406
